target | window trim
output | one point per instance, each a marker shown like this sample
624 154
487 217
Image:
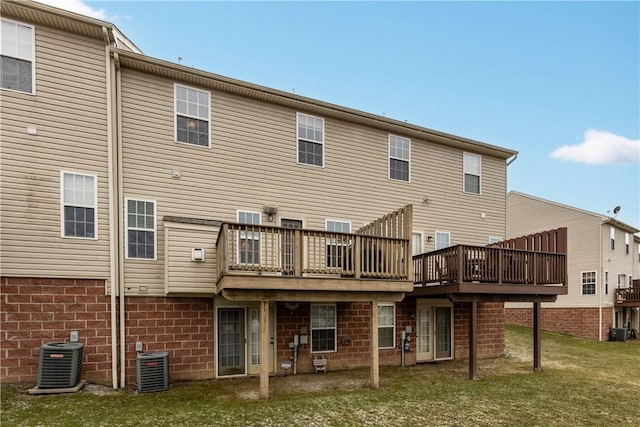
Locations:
393 327
494 239
33 56
435 238
612 238
466 154
95 204
126 228
335 328
238 211
421 234
389 158
606 282
626 243
595 283
175 116
298 139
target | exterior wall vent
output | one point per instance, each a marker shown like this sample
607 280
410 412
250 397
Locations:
60 364
152 371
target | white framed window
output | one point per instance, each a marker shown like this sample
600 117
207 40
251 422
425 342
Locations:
337 247
78 205
622 280
416 241
17 56
443 239
323 328
248 240
310 135
386 326
626 243
612 238
494 239
192 115
606 283
588 283
140 223
472 169
399 158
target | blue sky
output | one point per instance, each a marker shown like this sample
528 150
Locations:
557 81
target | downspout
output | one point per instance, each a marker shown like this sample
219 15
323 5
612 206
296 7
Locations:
123 360
113 266
600 231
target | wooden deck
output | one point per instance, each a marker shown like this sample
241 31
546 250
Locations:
628 297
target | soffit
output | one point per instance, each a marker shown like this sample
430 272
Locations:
41 14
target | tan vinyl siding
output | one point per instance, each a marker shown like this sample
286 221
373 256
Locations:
69 112
527 215
252 162
182 274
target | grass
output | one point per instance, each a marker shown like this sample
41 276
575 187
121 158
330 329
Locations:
582 383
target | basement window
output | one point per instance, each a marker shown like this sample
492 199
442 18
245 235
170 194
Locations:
323 328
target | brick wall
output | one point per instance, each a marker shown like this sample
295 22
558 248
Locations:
490 329
39 311
183 327
580 322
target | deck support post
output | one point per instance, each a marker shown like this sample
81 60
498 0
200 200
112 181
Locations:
374 359
537 367
473 341
264 349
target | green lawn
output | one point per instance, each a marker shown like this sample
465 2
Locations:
582 383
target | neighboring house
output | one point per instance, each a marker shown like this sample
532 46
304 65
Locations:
224 222
603 258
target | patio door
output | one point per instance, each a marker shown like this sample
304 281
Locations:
238 340
231 341
434 332
288 245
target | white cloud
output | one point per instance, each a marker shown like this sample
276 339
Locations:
600 148
77 6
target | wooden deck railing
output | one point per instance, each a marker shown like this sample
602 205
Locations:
466 264
628 295
299 252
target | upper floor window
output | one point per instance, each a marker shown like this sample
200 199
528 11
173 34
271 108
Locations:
622 280
588 283
249 240
399 158
17 56
193 112
443 239
310 140
386 325
141 229
612 237
472 165
78 205
626 243
323 328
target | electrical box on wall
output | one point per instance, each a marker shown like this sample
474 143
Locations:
197 254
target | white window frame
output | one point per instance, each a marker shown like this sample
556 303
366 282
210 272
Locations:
622 280
196 117
392 157
612 238
392 326
435 238
606 282
33 54
595 283
126 228
333 242
93 206
494 239
626 243
312 140
420 237
335 328
466 171
245 234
